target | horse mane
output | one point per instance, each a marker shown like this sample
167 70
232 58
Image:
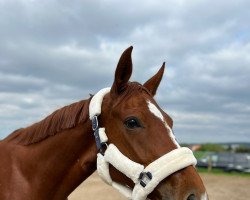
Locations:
63 118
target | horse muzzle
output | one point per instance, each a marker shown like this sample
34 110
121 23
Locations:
184 184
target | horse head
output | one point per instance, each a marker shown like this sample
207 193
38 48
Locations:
142 134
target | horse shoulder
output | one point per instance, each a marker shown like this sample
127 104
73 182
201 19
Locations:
13 184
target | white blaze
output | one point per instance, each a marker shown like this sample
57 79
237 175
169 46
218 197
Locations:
204 196
153 109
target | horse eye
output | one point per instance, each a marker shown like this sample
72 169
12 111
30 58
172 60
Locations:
132 123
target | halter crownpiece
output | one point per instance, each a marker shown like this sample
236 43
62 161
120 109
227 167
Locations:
145 178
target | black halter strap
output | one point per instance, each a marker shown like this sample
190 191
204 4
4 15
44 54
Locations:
101 146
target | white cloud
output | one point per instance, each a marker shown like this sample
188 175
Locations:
53 53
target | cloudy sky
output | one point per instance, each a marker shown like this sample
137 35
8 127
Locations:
56 52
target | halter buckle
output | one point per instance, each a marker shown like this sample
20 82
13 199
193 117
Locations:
101 146
145 178
95 124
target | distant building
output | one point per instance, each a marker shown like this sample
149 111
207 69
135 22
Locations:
227 161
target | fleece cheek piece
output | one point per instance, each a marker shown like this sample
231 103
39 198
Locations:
95 105
162 168
128 167
155 171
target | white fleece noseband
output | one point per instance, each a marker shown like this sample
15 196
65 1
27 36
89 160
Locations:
145 178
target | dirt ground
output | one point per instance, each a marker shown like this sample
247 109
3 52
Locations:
219 187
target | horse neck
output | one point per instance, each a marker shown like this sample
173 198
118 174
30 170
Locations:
62 161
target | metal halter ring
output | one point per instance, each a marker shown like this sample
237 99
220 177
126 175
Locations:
103 147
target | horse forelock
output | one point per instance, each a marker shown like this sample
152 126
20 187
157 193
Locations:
131 89
62 119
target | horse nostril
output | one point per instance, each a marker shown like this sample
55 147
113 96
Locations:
191 197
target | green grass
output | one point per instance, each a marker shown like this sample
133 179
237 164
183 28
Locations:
199 154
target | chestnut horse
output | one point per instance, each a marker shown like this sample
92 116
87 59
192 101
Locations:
49 159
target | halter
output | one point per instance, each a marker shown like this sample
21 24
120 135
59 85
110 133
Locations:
145 178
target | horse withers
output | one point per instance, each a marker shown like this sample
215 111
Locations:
121 131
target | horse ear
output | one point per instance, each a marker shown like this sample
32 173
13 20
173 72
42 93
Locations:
122 73
153 83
